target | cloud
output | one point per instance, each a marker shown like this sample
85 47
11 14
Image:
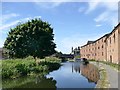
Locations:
102 17
81 9
6 26
110 17
8 16
65 44
109 14
98 25
57 0
92 6
48 5
108 4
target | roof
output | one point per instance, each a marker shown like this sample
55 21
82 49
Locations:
106 35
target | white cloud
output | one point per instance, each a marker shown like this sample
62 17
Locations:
9 25
1 42
110 5
92 6
8 16
4 28
67 43
57 0
102 17
98 25
48 5
109 14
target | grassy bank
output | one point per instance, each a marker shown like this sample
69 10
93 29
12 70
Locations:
115 66
103 81
21 67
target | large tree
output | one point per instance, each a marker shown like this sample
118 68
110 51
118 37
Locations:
34 38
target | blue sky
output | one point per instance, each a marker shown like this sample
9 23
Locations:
74 23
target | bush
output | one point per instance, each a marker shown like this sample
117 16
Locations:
20 67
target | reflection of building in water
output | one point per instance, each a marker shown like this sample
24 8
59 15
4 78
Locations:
76 67
90 72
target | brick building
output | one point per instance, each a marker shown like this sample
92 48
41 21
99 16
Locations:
106 48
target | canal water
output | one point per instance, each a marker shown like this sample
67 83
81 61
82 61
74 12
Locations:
69 75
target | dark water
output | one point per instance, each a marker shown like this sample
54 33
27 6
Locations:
69 75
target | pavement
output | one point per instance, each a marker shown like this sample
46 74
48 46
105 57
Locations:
112 75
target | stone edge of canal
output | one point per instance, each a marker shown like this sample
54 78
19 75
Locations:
103 81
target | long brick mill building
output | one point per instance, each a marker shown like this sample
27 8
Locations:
106 48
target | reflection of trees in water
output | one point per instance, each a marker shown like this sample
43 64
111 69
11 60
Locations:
30 82
89 71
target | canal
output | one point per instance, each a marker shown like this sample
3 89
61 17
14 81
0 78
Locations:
69 75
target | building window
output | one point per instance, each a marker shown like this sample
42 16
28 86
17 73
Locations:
102 54
110 40
110 58
98 47
114 38
102 46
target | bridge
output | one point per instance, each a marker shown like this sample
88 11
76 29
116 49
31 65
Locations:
67 56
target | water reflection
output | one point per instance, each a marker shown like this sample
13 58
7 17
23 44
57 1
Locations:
69 75
88 70
37 81
75 75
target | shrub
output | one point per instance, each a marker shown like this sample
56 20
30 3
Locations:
22 69
19 67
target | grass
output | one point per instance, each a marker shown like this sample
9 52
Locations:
103 82
116 66
71 60
78 56
14 68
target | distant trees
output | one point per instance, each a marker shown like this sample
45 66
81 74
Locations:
58 54
34 38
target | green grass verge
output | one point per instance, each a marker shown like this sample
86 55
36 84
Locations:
14 68
116 66
103 82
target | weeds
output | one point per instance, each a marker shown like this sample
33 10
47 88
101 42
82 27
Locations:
20 67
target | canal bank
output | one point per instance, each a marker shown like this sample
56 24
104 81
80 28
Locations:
69 75
109 76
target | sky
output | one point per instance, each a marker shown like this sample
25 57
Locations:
73 23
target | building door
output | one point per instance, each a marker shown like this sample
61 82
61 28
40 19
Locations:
110 58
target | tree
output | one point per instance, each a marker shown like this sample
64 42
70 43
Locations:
34 38
58 54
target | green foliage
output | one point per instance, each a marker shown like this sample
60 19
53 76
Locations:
77 56
20 67
112 64
116 66
33 38
58 54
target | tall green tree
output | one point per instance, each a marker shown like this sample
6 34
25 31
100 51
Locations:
34 38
